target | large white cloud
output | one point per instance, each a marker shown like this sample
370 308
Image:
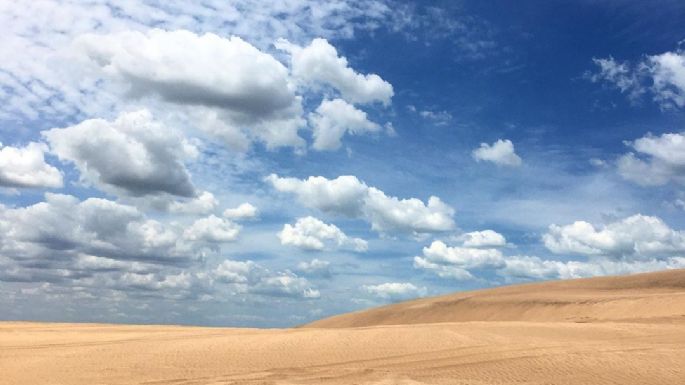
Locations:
637 237
348 196
333 119
310 233
319 63
62 227
248 93
501 153
660 159
132 155
26 167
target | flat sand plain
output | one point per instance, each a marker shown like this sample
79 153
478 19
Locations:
619 330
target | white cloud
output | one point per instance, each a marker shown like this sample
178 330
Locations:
133 155
319 63
484 238
244 211
668 75
241 86
663 75
310 233
395 291
26 167
463 257
212 229
333 119
501 153
619 74
204 203
637 237
635 244
662 160
347 195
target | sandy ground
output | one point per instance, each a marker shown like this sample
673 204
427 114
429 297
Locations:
640 349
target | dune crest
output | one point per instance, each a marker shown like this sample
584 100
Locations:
647 297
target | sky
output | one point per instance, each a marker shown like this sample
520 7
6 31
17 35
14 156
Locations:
269 163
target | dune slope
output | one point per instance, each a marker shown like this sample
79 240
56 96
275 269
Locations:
645 297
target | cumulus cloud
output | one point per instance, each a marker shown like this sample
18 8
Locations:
348 196
500 153
204 203
484 238
333 119
61 228
26 167
395 291
319 63
657 160
248 92
310 233
132 155
455 262
243 211
637 237
212 229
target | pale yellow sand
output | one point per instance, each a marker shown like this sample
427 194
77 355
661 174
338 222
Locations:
644 343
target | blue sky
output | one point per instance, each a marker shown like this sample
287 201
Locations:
256 164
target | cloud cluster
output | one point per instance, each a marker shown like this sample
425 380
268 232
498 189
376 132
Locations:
501 153
252 278
634 244
310 233
62 227
44 29
657 160
637 237
132 155
26 167
348 196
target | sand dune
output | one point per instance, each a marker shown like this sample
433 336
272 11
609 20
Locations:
646 297
627 330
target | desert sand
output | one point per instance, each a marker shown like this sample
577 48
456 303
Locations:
617 330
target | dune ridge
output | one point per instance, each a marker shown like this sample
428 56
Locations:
646 297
